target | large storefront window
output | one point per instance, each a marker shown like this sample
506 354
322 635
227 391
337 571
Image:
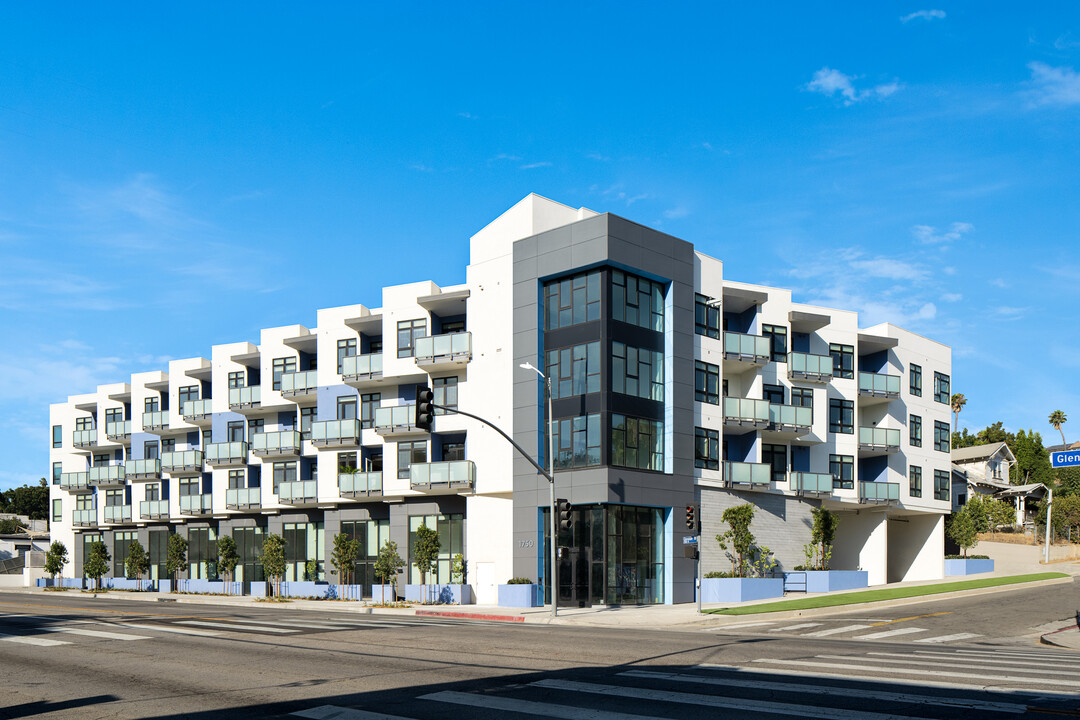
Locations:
202 554
303 542
121 544
451 530
249 542
372 535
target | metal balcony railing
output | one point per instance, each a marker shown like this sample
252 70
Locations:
84 518
107 475
445 474
197 409
361 484
227 453
298 492
804 366
362 367
879 491
243 498
871 438
808 482
398 418
196 504
299 383
118 430
878 385
746 411
143 469
791 416
747 348
156 420
117 513
438 349
84 438
153 509
75 481
180 461
245 397
753 475
277 443
326 433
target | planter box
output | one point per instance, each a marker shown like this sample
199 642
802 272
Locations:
968 567
439 594
304 589
383 593
345 592
213 587
732 590
520 596
819 581
132 584
258 589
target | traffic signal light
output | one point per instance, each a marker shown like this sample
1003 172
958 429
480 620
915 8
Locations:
693 519
565 510
425 407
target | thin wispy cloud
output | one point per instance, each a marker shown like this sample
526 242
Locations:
1053 85
507 157
534 165
889 268
1006 312
598 157
929 235
420 167
952 297
677 213
923 15
466 115
999 283
832 83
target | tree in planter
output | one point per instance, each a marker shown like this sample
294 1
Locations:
388 564
457 569
962 529
55 559
228 558
738 519
822 535
273 561
176 557
343 559
138 560
425 553
97 562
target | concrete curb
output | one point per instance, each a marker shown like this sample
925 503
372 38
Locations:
1062 638
471 616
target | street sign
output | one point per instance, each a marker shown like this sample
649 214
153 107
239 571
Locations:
689 540
1066 458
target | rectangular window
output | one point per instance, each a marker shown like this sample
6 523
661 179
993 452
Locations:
207 438
915 481
168 445
368 403
57 471
572 301
452 451
706 316
307 416
843 360
451 327
189 487
409 453
915 380
574 370
279 367
577 441
236 379
802 397
842 469
284 472
445 390
346 408
57 436
941 388
236 479
706 449
152 492
114 498
346 461
773 393
706 382
637 301
121 543
841 416
777 335
151 404
187 394
637 442
915 431
941 436
776 457
254 427
234 431
345 348
84 423
637 372
408 331
150 450
114 415
941 485
57 510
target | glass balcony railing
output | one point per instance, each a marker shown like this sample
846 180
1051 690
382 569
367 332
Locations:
299 383
298 491
156 420
335 432
227 453
153 509
743 410
118 430
197 409
196 504
395 419
117 513
879 438
281 442
752 474
362 367
810 367
809 482
446 474
746 348
246 397
360 484
178 461
107 475
84 438
143 469
791 416
75 481
879 491
243 498
435 349
879 385
84 518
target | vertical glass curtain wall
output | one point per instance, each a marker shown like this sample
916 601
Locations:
451 530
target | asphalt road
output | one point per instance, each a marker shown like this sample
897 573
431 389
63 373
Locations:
65 655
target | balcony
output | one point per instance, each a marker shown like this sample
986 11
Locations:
791 420
360 485
742 412
811 368
443 351
227 453
154 421
75 481
117 513
243 498
84 438
807 483
876 385
396 420
878 440
143 469
300 384
183 462
879 492
751 349
246 398
448 476
118 431
84 518
298 492
107 476
196 504
360 369
748 476
197 412
282 443
154 509
335 433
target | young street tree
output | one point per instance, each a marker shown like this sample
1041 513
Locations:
823 533
742 540
56 558
425 552
97 562
228 558
962 530
176 558
388 564
1057 419
273 561
138 560
343 559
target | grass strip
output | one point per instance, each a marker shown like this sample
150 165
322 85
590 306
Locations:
865 596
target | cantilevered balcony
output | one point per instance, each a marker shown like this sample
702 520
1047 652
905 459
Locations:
107 476
281 443
243 498
443 351
84 438
876 385
360 485
196 504
300 385
746 413
155 421
752 350
84 518
198 412
143 469
298 492
335 433
808 483
879 491
224 454
75 481
182 462
876 441
360 369
447 477
245 398
117 514
396 420
154 509
747 476
810 368
793 420
118 431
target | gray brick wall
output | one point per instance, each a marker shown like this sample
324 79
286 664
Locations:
781 523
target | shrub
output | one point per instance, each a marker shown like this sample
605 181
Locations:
967 557
520 581
718 574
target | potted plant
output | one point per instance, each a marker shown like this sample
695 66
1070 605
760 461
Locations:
751 564
819 577
388 564
520 592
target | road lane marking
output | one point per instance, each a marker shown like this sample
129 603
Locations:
744 625
530 707
31 640
834 631
292 623
922 672
178 631
1043 656
96 633
334 712
795 627
889 633
234 626
913 617
948 638
924 657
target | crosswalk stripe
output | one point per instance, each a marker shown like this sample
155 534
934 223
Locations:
835 631
794 627
530 707
739 626
334 712
750 705
293 623
234 626
1041 655
922 672
31 640
169 629
96 633
927 659
948 638
920 699
889 633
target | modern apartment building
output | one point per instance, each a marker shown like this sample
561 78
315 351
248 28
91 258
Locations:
670 386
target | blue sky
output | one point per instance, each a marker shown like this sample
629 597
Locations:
172 180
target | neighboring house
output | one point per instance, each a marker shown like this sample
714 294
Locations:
980 469
14 545
1059 448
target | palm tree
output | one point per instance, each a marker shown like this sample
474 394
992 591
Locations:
1057 419
957 402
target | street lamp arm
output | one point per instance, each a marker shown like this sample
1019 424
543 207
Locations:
499 430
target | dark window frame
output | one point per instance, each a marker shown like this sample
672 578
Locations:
706 382
843 360
841 416
778 341
706 449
